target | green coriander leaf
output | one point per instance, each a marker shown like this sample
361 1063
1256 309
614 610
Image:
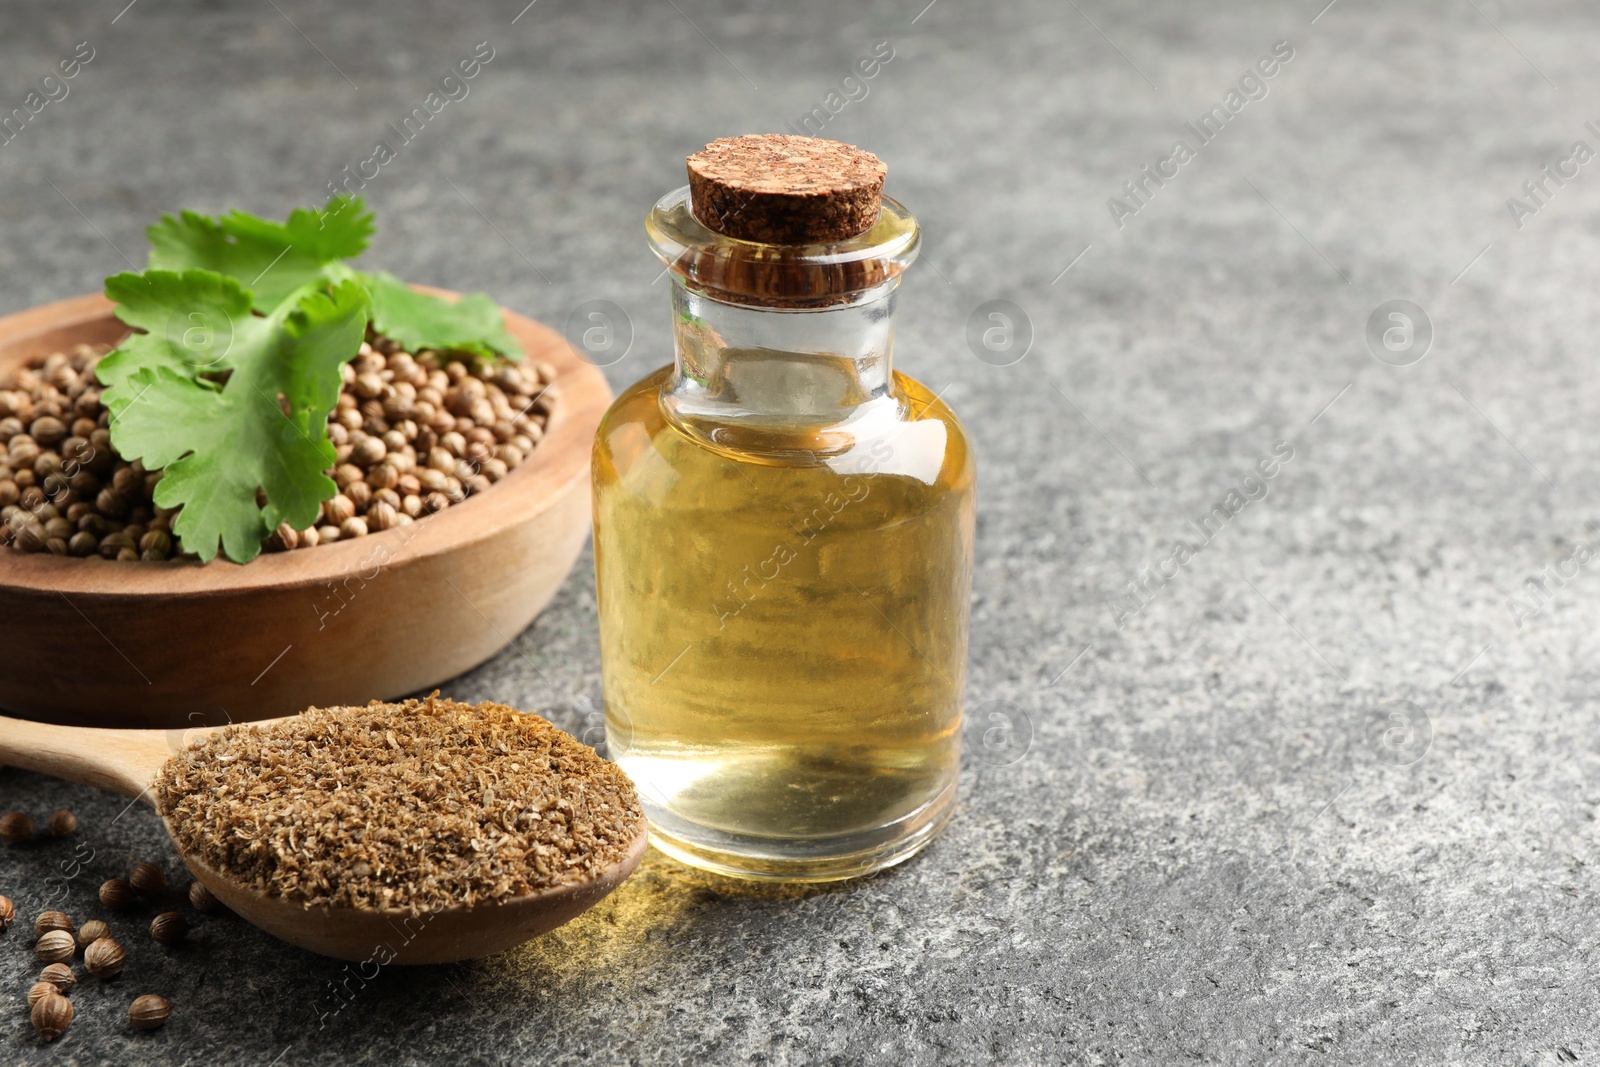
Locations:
271 259
417 321
324 332
216 447
193 321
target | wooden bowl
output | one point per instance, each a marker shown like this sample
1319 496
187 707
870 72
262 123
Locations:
91 642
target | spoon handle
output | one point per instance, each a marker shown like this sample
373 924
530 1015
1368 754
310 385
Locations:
123 761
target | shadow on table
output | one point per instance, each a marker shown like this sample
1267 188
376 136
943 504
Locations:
667 930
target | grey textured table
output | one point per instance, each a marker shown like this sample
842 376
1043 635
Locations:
1327 794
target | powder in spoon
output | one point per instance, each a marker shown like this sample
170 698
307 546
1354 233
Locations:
421 805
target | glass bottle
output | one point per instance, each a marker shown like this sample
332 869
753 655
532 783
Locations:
783 552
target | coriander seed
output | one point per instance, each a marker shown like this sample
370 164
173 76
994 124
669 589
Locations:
202 899
52 920
382 515
116 894
8 912
147 878
104 958
62 823
82 544
383 475
169 928
338 508
109 502
92 931
369 453
369 386
59 975
48 430
155 543
126 482
148 1012
51 1016
55 946
39 990
16 827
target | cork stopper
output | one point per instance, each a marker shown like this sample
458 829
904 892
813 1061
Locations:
780 189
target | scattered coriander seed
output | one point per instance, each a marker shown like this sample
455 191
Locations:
16 827
117 894
147 878
62 823
56 946
169 928
202 899
39 990
51 1016
148 1012
104 958
59 975
52 920
92 931
8 912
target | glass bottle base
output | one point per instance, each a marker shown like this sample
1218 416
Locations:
789 859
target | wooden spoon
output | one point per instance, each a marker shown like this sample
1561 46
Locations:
126 762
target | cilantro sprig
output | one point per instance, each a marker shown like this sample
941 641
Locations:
246 324
271 259
471 324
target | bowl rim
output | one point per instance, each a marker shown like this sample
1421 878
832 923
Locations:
537 484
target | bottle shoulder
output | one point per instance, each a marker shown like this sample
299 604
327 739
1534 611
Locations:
921 406
910 432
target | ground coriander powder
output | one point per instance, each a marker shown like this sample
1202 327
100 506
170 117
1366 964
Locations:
415 806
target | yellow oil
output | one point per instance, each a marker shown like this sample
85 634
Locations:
783 620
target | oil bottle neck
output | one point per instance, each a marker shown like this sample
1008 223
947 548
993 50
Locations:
779 368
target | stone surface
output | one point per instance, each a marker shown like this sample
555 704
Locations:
1321 799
